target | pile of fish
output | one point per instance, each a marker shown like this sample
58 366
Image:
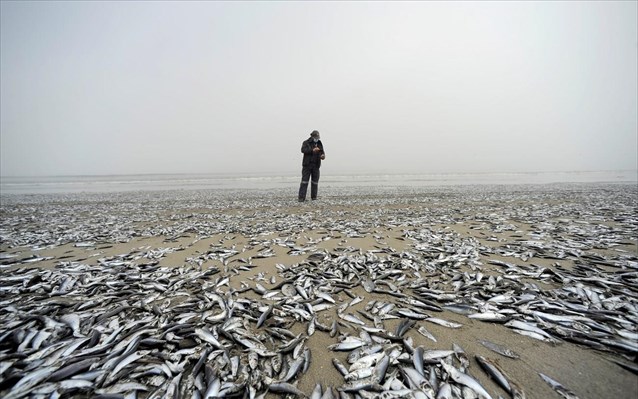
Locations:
124 326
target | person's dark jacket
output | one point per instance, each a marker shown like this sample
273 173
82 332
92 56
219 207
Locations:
310 157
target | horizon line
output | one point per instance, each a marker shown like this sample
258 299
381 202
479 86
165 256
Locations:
276 174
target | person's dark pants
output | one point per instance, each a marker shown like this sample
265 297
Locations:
309 174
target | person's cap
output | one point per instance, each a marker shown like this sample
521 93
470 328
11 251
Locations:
314 134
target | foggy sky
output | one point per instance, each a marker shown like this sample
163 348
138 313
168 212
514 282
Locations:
415 87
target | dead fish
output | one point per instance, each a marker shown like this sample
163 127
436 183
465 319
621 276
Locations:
460 308
292 344
466 380
445 391
368 285
312 325
343 370
264 316
123 387
358 374
494 317
434 355
352 319
260 289
72 369
496 372
26 383
285 388
417 359
325 297
444 323
349 343
355 301
520 325
361 385
558 387
73 321
317 392
294 368
417 381
208 337
289 290
134 307
423 331
412 314
301 291
499 349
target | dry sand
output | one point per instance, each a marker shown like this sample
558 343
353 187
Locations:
495 218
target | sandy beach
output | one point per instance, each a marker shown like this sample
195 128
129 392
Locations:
528 253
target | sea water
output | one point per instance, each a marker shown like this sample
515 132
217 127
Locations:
159 182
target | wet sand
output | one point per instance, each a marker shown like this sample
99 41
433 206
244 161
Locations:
270 230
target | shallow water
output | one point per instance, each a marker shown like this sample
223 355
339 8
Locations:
154 182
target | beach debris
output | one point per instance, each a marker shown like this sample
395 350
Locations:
558 387
500 349
196 316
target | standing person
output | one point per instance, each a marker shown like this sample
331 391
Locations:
313 154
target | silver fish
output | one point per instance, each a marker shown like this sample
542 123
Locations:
499 349
466 380
496 372
444 323
558 387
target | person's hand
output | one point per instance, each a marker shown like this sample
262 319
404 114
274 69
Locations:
323 157
316 149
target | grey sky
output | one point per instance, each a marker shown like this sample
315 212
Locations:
415 87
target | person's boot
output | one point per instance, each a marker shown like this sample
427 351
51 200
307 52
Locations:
303 188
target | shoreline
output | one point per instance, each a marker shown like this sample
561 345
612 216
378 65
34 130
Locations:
202 181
